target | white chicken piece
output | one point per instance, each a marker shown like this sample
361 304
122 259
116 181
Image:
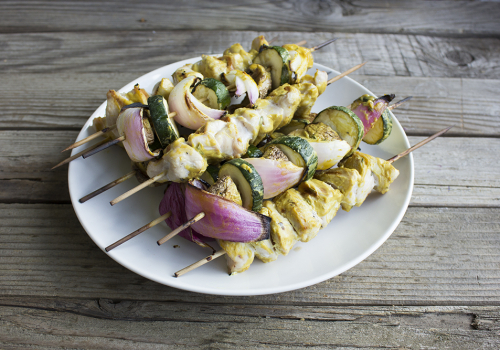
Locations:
115 102
229 138
183 72
357 176
180 161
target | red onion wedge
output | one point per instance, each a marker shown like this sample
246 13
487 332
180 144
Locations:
277 175
173 201
130 124
225 219
329 152
244 83
369 109
191 113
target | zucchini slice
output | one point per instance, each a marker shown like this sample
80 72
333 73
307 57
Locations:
247 180
276 58
214 91
253 152
345 123
380 130
164 126
300 153
211 175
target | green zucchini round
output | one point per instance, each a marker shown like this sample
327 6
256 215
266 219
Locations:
164 126
299 152
253 152
214 91
277 58
345 123
247 180
380 131
211 174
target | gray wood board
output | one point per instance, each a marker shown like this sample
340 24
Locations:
436 256
97 324
66 100
436 17
141 52
446 171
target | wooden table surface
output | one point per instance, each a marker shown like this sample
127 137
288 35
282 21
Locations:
433 285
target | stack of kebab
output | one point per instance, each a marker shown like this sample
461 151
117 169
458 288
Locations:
240 120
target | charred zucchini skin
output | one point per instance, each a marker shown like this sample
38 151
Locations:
353 135
253 152
164 127
247 180
220 90
303 149
285 58
380 131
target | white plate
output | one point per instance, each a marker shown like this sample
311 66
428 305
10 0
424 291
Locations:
348 239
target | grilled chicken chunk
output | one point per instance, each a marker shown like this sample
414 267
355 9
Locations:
301 215
322 198
181 162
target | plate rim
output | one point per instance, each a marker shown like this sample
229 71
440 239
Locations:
264 291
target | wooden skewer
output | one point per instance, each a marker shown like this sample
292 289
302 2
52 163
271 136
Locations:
107 187
67 160
138 231
317 47
399 103
347 72
418 145
300 43
201 262
137 188
89 138
103 147
272 40
184 226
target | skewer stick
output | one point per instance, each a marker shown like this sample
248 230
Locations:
300 43
89 138
418 145
181 228
399 103
199 263
137 188
349 71
107 187
138 231
272 40
67 160
103 147
317 47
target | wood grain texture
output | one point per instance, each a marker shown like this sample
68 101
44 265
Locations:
446 171
104 323
436 256
142 51
66 100
437 17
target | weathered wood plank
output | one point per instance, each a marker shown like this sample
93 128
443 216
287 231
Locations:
66 100
141 52
437 17
97 324
435 257
446 172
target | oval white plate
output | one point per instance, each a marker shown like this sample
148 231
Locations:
348 239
